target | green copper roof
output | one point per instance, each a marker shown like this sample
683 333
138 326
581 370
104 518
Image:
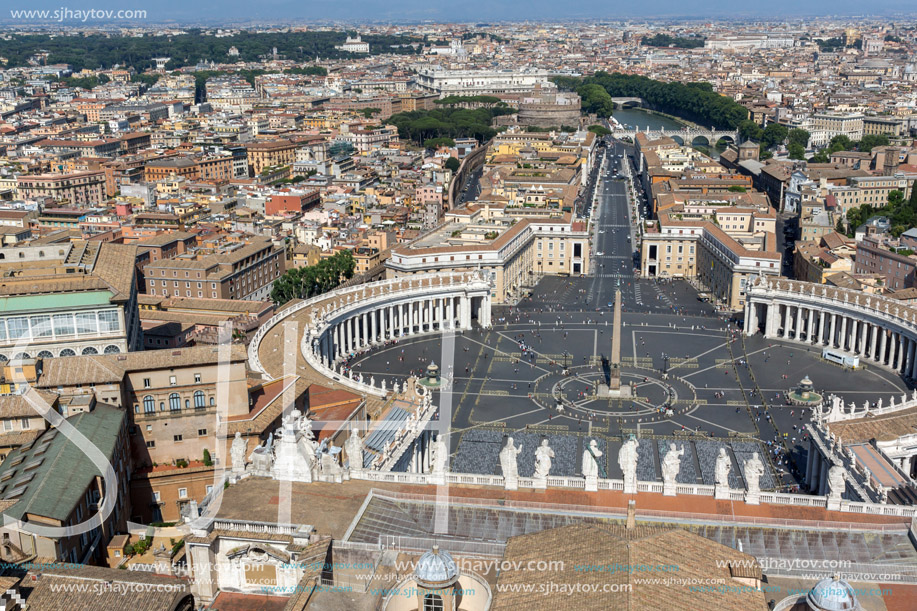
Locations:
38 303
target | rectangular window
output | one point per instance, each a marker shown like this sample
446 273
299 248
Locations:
41 326
172 381
182 493
202 432
63 324
19 327
86 323
108 322
151 444
177 438
156 496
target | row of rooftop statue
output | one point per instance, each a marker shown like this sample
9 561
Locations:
291 453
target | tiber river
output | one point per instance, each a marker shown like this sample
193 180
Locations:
637 117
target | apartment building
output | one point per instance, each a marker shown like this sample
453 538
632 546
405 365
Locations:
894 260
818 260
824 126
268 154
78 188
872 190
244 271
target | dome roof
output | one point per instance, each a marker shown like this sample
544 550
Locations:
436 567
832 594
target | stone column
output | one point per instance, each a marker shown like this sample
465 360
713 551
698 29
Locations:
786 321
833 325
769 330
810 334
863 330
883 338
909 367
374 336
821 328
797 330
893 351
873 349
852 335
485 308
843 335
430 314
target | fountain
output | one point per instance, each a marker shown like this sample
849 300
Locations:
804 394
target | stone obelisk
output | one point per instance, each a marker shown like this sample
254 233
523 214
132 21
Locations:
614 376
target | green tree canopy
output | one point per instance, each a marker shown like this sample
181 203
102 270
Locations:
796 151
750 130
453 164
599 130
774 134
305 282
798 136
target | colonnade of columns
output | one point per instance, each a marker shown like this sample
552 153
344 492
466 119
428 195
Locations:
836 330
404 318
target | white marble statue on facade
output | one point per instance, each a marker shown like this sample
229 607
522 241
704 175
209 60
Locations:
543 456
627 460
508 458
237 453
353 447
591 457
671 465
754 470
721 474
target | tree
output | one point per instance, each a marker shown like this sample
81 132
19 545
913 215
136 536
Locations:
796 151
453 164
596 100
435 143
839 227
749 130
839 143
870 141
773 135
305 282
820 157
798 136
599 130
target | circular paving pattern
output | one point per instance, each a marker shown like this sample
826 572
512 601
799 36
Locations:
652 397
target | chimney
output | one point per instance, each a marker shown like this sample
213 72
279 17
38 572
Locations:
631 514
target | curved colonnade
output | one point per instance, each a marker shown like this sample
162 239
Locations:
337 324
877 329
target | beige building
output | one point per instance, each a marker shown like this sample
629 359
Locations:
702 250
515 256
268 154
80 188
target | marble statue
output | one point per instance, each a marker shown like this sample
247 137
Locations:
543 456
440 455
262 457
723 466
914 395
837 482
237 453
354 450
879 403
627 460
671 465
591 457
508 459
903 398
754 469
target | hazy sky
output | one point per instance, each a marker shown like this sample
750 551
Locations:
466 10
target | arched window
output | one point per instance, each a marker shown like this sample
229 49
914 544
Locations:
21 355
67 352
149 406
2 256
174 402
433 602
187 404
44 354
162 406
199 398
212 401
22 255
89 350
112 350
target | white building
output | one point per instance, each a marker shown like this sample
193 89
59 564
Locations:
482 82
824 126
354 45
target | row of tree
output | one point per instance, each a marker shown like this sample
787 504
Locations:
901 213
693 101
102 51
450 122
305 282
679 42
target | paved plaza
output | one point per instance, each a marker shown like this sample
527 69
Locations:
695 377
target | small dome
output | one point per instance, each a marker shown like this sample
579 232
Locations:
436 567
832 594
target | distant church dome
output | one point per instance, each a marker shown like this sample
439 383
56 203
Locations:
832 594
436 569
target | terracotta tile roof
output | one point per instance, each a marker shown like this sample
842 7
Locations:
589 555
